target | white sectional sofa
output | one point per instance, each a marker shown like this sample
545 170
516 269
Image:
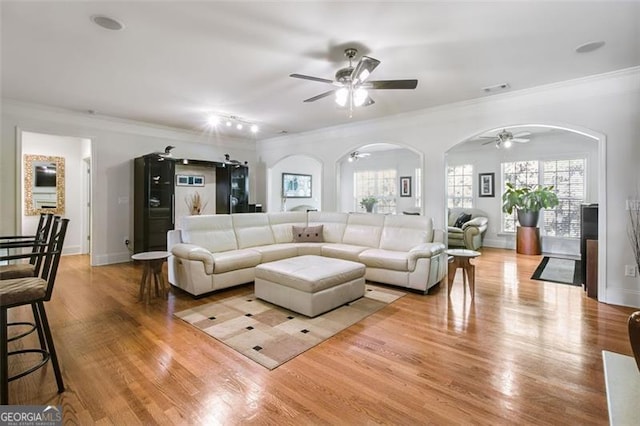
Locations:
211 252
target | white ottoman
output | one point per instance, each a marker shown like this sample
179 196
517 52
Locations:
310 285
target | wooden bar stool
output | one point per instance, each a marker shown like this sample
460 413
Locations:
32 291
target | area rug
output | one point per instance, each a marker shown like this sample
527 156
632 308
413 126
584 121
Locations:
271 335
559 270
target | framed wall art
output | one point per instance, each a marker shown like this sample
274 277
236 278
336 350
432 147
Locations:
189 180
486 185
405 186
295 185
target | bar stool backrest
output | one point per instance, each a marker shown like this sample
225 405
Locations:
41 239
53 253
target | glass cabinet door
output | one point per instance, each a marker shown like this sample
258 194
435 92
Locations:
160 188
239 190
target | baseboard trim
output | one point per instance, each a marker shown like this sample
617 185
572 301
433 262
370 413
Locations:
108 259
621 297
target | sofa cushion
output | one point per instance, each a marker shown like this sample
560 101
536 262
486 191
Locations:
274 252
252 229
281 223
235 259
385 259
310 274
308 234
334 224
452 230
462 219
343 251
305 249
401 233
212 232
363 230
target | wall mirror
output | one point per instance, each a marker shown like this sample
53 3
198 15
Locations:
43 184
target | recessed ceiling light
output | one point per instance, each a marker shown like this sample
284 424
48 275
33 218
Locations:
589 47
107 22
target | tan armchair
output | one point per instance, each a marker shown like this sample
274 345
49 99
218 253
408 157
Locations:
470 233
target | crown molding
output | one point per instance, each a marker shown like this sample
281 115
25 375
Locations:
401 118
115 124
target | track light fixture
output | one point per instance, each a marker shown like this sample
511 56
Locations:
215 120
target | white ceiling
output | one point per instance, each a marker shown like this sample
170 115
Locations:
175 61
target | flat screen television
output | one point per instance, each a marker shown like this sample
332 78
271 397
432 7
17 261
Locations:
45 175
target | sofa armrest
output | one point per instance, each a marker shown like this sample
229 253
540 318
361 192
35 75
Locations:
194 252
438 235
174 236
422 251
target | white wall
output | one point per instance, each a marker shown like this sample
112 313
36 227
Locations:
556 144
300 164
114 145
207 192
607 106
70 149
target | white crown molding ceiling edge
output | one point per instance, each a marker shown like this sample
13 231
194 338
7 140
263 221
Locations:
115 124
406 116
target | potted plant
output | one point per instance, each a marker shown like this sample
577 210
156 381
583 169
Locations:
368 203
528 202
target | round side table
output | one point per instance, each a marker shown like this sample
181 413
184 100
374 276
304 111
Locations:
153 261
460 258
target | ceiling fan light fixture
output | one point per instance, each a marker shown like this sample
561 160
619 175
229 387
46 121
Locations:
360 96
228 123
254 128
507 143
342 95
239 126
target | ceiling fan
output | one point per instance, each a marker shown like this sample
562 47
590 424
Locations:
355 156
506 138
352 84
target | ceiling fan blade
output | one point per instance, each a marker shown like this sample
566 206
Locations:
368 101
488 142
519 140
320 96
308 77
363 70
392 84
522 135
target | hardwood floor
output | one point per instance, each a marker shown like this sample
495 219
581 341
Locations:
521 352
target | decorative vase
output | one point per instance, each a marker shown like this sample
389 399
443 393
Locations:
528 218
634 335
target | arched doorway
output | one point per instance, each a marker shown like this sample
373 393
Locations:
387 173
547 144
305 167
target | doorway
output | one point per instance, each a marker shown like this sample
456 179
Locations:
73 184
381 178
544 144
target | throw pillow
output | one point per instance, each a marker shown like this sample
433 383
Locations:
310 234
462 219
